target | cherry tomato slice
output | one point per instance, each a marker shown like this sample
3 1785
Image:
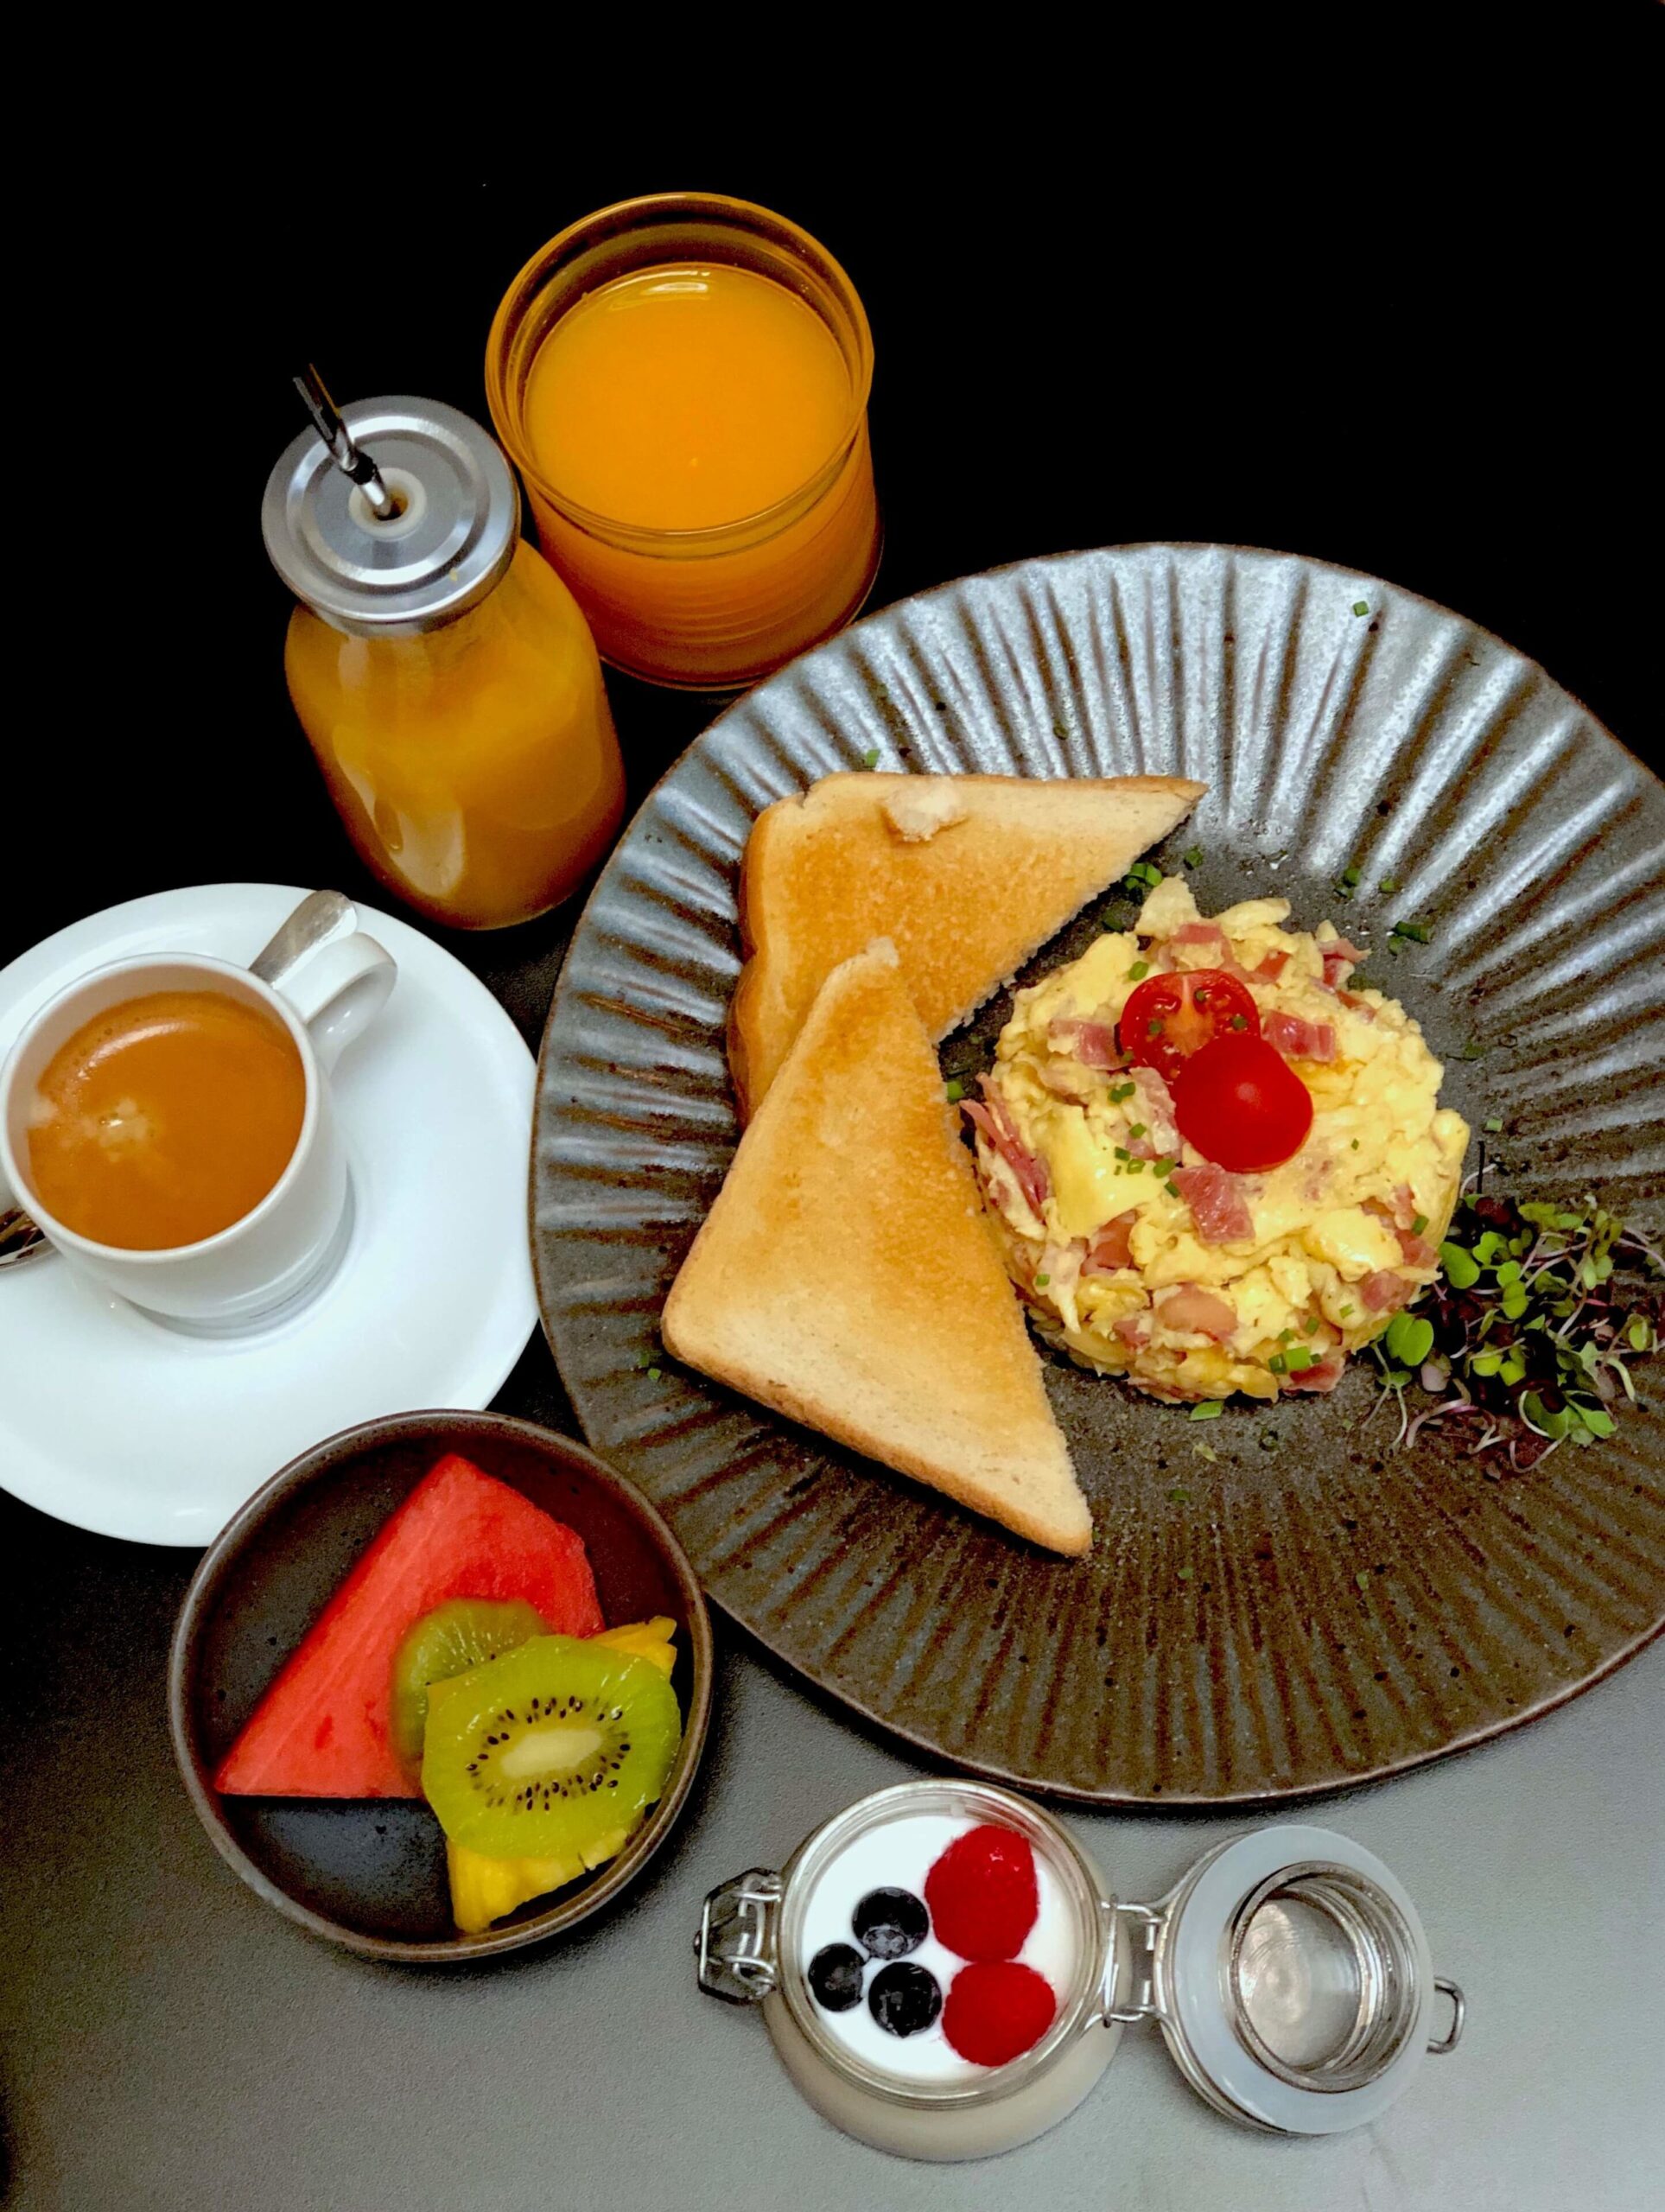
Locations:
1170 1017
1242 1104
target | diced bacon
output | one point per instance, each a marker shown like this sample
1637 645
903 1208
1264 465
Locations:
1093 1043
1197 1312
1110 1249
1416 1251
1337 956
1404 1205
1323 1376
1134 1329
996 1125
1198 933
1385 1292
1297 1040
1361 1008
1271 967
1219 1203
1156 1112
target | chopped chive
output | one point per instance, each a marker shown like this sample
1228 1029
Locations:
1268 1440
1182 1573
870 759
1493 1127
1350 877
1312 1325
1278 1363
1354 1144
954 1091
1418 933
1121 1152
1345 1310
1418 1224
1179 1497
1209 1409
1298 1358
1152 1029
1285 1336
1139 971
1042 1282
1171 1188
1388 886
1192 856
1121 1090
1161 1169
1135 1128
1361 606
654 1374
1472 1052
1136 1168
1205 1450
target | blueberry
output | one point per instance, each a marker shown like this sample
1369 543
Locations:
889 1923
905 1999
835 1976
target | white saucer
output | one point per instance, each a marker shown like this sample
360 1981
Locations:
120 1425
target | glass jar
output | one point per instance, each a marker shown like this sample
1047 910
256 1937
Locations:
715 605
441 670
1287 1971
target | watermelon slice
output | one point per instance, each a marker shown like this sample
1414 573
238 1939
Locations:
322 1728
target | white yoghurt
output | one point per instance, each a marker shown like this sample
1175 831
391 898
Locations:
899 1855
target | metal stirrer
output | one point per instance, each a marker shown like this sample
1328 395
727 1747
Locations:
346 456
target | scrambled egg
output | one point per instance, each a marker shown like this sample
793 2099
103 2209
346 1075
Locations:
1254 1283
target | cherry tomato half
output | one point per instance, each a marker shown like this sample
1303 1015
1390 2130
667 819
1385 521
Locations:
1242 1104
1170 1017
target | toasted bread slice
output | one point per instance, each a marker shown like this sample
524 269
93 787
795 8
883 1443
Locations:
847 1275
967 876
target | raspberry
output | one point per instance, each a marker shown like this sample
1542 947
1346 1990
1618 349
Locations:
997 2010
982 1895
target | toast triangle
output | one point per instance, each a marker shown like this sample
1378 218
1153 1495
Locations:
969 876
847 1276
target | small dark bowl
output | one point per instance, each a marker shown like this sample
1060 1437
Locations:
370 1874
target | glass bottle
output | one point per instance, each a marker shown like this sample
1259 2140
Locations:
443 672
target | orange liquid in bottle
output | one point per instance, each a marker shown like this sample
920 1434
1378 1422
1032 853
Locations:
692 398
475 765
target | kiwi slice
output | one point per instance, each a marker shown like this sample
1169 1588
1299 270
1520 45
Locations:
464 1632
547 1751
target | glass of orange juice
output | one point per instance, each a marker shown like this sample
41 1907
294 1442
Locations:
682 380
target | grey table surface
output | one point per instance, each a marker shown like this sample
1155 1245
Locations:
167 2043
253 2070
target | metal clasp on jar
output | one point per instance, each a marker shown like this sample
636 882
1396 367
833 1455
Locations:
736 1946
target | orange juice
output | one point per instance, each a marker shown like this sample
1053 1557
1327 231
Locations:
691 425
678 398
165 1119
443 672
475 765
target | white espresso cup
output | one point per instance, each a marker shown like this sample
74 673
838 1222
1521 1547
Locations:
284 1248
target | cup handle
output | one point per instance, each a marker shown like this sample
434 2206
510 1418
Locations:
337 990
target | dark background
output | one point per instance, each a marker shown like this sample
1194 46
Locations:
1382 301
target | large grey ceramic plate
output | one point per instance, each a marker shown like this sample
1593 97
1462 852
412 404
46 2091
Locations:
1307 1609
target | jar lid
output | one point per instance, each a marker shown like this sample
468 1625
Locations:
445 549
1292 1981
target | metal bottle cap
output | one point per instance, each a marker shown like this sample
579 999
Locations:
453 536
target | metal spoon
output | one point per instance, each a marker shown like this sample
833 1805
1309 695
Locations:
321 916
